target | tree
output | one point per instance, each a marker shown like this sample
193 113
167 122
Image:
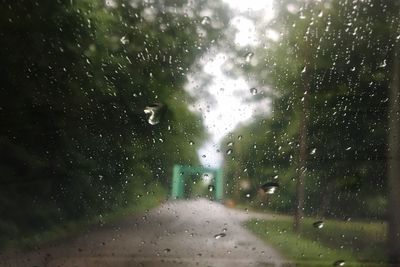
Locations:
394 162
75 140
348 77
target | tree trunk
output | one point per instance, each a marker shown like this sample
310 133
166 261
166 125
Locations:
394 163
325 201
302 168
238 170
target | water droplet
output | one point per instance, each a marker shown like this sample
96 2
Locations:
210 188
253 91
229 151
205 20
167 250
191 143
218 236
313 151
270 187
347 149
203 156
240 137
247 195
339 263
224 230
154 113
320 14
383 64
318 224
249 56
304 69
124 40
229 144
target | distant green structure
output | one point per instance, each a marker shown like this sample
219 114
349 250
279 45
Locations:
181 173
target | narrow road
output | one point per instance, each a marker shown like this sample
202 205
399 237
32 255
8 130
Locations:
179 233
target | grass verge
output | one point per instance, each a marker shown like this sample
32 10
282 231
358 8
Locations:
356 243
74 228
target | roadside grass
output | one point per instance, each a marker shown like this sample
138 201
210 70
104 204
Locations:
74 228
356 243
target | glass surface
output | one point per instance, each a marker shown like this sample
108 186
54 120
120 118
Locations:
200 133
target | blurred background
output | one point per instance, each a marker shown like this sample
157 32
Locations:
297 102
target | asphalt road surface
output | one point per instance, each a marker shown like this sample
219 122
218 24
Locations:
178 233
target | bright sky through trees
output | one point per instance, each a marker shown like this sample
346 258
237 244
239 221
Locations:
230 103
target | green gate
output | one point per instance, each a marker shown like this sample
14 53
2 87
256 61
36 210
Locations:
180 173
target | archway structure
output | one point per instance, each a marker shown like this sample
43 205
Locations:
181 173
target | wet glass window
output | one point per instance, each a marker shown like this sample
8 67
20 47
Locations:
200 133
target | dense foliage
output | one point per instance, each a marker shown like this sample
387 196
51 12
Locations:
76 78
330 72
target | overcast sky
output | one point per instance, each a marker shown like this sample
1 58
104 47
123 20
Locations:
230 105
